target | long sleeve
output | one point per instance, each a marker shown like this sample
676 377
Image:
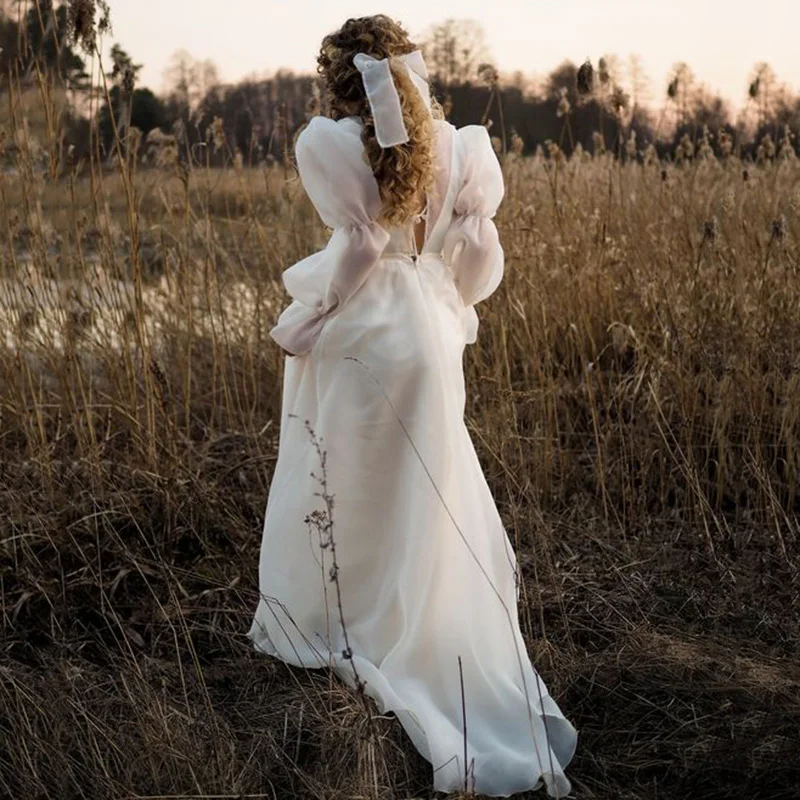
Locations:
472 246
344 192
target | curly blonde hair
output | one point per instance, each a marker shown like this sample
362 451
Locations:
405 172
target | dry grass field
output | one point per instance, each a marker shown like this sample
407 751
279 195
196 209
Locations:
634 397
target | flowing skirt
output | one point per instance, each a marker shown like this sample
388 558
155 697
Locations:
373 417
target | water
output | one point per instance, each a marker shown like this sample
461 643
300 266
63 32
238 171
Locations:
99 311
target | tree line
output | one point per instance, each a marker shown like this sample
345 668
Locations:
585 105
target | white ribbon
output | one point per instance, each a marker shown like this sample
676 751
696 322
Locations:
384 101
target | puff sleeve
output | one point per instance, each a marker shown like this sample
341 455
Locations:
472 246
342 188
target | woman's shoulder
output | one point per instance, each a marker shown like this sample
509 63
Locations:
474 137
320 129
334 172
331 146
473 144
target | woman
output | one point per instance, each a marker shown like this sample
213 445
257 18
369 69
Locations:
406 584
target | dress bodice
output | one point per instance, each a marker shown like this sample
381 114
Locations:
439 209
401 240
466 190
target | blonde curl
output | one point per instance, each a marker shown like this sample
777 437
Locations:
404 173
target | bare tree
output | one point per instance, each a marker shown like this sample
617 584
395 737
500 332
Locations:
190 80
680 90
762 90
177 76
454 49
638 81
206 77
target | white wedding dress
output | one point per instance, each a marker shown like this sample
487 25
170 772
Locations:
425 568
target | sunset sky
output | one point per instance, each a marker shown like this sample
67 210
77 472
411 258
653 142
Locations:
721 41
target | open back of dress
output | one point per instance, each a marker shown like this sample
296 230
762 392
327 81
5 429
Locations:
439 207
427 574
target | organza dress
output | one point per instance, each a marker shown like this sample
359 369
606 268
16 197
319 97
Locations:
426 570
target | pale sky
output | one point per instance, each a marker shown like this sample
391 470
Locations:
721 40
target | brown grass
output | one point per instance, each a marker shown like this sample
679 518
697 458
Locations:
634 400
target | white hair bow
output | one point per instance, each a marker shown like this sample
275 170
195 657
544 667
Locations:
382 96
